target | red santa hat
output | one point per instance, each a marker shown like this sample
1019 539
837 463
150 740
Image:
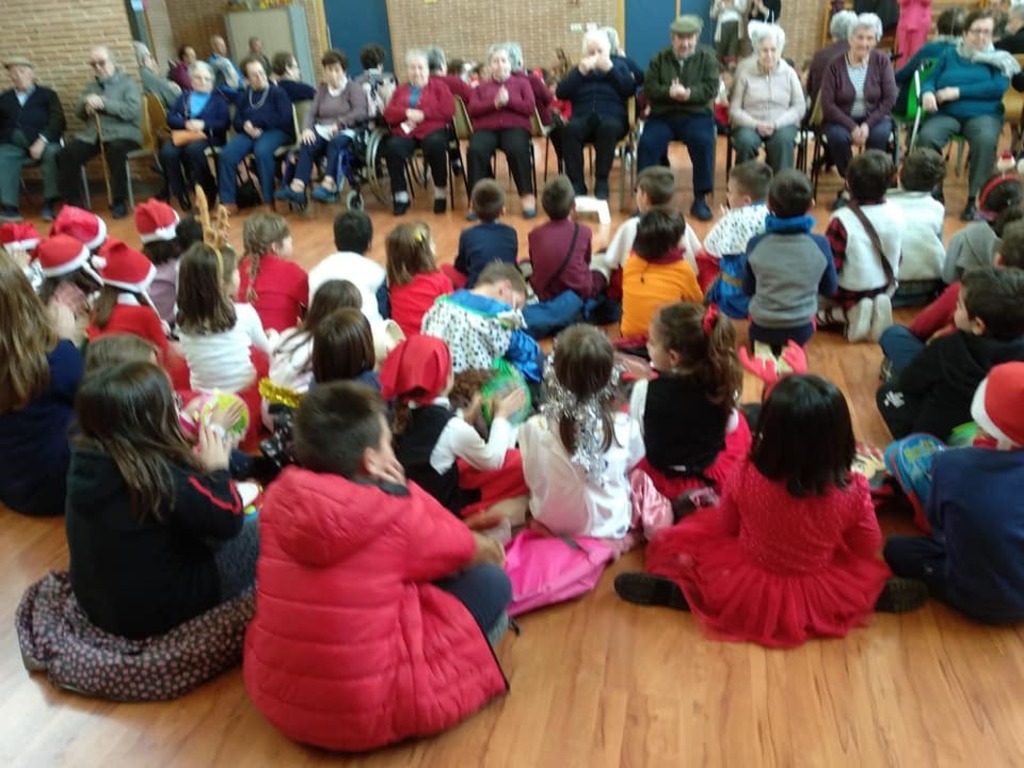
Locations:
417 370
998 406
121 266
155 221
22 236
86 227
62 254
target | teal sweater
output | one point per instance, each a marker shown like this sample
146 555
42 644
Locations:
699 73
981 86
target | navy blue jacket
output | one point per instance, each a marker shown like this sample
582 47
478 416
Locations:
214 114
603 93
482 244
42 114
268 113
296 90
975 509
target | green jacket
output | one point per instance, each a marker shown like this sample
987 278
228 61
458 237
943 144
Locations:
699 73
121 118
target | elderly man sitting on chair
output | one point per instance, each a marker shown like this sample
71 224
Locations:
680 83
31 125
111 107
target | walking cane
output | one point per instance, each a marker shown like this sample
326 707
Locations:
103 157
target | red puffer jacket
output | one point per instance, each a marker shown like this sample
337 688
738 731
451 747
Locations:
352 647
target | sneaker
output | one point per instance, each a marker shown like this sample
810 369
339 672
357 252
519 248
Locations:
119 211
601 190
701 210
10 213
902 595
881 316
323 195
647 589
887 371
530 213
858 320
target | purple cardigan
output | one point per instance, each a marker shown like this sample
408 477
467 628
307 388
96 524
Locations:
837 94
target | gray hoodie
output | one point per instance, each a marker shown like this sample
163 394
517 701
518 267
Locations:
973 246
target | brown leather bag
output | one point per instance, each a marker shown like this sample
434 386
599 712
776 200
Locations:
182 137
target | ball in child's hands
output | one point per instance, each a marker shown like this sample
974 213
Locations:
225 409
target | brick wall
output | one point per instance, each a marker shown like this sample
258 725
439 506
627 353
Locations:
543 26
195 21
57 35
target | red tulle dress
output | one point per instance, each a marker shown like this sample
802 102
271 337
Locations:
767 567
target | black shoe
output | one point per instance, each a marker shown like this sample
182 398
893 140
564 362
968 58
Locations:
119 211
440 204
185 203
10 213
646 589
601 189
701 210
902 596
48 211
969 210
401 208
457 167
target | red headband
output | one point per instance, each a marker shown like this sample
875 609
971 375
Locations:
416 370
710 316
983 211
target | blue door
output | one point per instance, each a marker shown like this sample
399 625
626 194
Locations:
647 23
350 26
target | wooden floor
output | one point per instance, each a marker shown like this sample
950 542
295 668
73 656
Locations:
596 682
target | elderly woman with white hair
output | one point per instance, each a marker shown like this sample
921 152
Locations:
203 112
598 89
768 102
839 30
417 114
500 108
857 95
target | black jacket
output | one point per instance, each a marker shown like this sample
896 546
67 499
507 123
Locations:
134 578
42 113
938 386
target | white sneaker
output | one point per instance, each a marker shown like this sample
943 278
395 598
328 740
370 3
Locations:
858 320
881 316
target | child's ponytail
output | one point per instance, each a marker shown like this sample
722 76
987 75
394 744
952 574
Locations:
409 252
705 341
260 233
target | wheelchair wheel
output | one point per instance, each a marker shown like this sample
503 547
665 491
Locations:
354 200
376 169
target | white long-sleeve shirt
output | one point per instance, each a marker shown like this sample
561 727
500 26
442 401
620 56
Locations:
614 256
459 440
221 360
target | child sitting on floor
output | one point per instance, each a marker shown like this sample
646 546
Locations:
353 234
656 274
901 344
787 267
157 225
277 287
920 272
655 188
143 508
343 349
488 241
933 393
69 279
866 237
124 305
440 449
972 559
483 325
560 259
578 453
976 244
693 434
721 275
790 552
375 604
414 282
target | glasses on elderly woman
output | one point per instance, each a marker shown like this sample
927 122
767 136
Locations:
982 32
98 63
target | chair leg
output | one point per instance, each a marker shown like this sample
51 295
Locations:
85 189
131 191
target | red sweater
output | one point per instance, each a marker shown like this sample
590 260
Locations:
515 114
549 245
411 301
140 321
435 102
456 85
937 316
282 290
352 646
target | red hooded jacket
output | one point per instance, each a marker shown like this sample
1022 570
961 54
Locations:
352 647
